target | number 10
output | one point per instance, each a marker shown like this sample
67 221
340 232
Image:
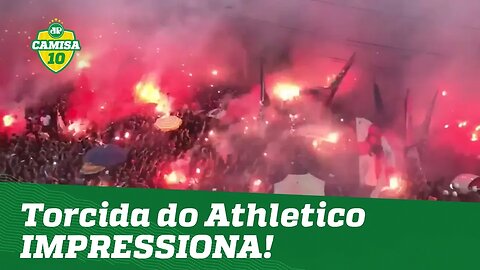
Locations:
59 58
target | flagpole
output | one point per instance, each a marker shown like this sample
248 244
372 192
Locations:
338 80
262 91
262 100
407 116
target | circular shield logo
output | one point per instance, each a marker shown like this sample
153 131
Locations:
55 30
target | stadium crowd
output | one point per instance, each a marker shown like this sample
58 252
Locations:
44 154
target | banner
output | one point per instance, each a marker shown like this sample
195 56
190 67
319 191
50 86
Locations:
77 227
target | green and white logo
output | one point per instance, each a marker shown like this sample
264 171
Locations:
56 46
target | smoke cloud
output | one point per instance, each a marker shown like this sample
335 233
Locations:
424 45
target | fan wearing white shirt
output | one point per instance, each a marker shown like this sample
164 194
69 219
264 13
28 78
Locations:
45 121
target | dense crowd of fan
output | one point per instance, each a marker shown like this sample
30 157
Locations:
43 154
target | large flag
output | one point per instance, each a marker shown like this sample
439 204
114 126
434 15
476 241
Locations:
411 154
428 118
338 80
414 168
413 165
376 157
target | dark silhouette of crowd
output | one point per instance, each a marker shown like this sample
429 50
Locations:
45 154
